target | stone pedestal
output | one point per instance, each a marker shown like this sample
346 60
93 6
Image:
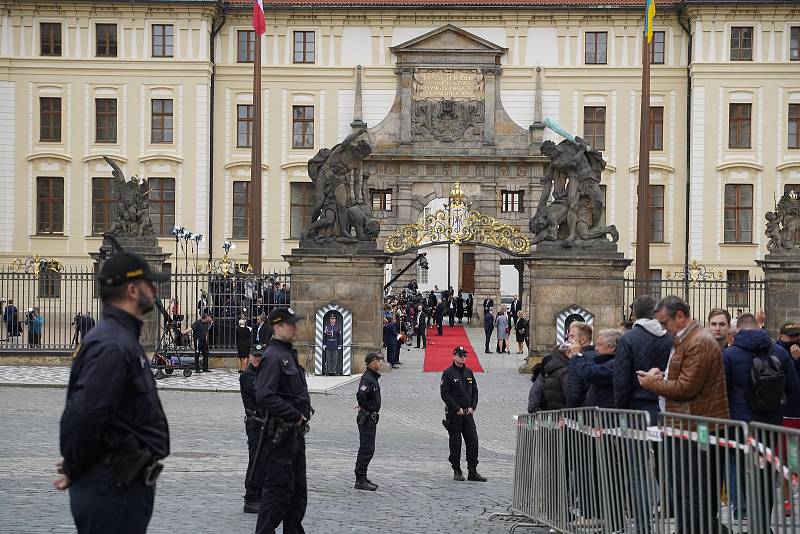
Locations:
148 248
559 280
782 280
355 280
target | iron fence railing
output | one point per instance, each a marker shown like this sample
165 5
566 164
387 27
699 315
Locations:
703 295
68 302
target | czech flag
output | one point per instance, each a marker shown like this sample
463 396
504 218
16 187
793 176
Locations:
648 24
259 24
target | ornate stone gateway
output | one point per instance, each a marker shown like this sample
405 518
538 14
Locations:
458 224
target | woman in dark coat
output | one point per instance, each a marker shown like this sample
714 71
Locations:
459 307
521 331
468 309
244 336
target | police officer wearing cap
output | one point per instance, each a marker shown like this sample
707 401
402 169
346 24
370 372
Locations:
253 422
460 395
113 429
369 404
281 390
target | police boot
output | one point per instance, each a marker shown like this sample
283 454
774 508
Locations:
371 483
475 476
363 484
458 475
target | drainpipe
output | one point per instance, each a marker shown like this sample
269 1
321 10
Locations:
684 22
216 26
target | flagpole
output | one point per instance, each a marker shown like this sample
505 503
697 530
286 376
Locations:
643 206
254 231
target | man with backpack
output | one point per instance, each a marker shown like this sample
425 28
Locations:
761 380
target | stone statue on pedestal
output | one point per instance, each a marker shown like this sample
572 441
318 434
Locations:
572 216
783 224
341 195
133 205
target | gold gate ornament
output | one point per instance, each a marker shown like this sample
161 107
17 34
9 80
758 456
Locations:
458 223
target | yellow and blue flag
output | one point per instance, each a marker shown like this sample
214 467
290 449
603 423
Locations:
648 24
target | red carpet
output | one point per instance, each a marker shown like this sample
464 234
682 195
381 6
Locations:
439 352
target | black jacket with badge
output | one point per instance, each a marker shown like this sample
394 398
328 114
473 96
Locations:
459 389
111 398
281 387
369 392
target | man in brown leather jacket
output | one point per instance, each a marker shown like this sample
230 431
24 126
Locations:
693 384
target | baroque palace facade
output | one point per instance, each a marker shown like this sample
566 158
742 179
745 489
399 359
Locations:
164 89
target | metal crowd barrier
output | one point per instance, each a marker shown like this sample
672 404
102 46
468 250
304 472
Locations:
603 471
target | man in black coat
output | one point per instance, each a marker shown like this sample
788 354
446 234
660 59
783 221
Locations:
390 341
438 317
459 391
200 331
369 404
645 346
516 306
488 304
421 327
113 429
282 391
488 328
253 420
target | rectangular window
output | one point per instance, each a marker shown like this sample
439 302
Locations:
657 213
304 47
49 205
50 119
106 40
596 48
738 213
247 46
656 128
794 44
105 120
161 121
742 43
50 39
422 274
302 126
162 204
657 48
511 201
244 125
241 210
655 283
739 125
104 208
381 199
794 125
738 283
302 202
163 40
594 126
49 283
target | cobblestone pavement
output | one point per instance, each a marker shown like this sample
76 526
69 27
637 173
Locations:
201 486
222 380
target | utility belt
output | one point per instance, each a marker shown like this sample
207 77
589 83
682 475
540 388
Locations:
364 415
129 466
253 416
278 429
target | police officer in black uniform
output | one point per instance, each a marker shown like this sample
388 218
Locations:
113 429
253 422
460 395
369 404
282 391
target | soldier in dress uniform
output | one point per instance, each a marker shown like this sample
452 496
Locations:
253 423
369 404
331 343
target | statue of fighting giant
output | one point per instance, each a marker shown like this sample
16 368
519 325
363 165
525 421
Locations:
571 198
341 202
133 205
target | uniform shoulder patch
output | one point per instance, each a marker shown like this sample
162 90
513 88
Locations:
363 387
